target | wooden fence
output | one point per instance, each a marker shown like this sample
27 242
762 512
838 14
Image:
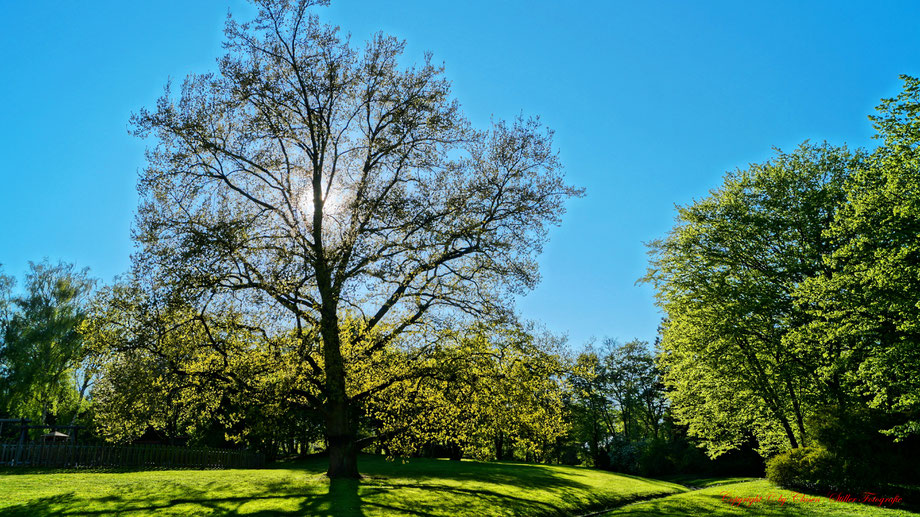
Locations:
143 456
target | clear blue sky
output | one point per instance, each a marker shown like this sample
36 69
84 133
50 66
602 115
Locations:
651 103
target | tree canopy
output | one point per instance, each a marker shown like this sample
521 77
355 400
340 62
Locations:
309 178
791 295
727 277
865 311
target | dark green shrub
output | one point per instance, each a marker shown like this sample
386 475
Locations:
656 458
865 457
623 455
807 468
817 469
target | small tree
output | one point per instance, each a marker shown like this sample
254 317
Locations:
308 177
619 398
43 363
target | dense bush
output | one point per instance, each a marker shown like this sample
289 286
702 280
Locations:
818 469
849 453
797 468
675 454
623 455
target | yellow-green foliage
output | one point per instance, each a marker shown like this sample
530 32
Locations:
471 386
167 368
173 370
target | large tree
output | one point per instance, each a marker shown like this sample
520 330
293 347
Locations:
866 309
727 277
308 177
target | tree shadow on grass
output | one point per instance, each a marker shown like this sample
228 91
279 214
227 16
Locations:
692 504
333 498
339 498
73 504
519 475
431 500
173 498
422 489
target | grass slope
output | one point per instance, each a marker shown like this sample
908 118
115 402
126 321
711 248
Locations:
417 487
704 482
710 501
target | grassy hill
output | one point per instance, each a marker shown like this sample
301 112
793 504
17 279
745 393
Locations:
759 498
416 487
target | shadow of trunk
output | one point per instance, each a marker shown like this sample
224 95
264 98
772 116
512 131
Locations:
344 498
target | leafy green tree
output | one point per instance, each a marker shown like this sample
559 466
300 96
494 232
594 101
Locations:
6 312
308 178
619 400
866 309
184 375
45 370
633 385
492 390
589 410
6 297
727 277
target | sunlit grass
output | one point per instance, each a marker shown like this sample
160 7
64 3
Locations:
742 499
416 487
704 481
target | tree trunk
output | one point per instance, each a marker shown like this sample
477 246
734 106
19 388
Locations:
341 439
341 442
455 452
799 420
341 424
595 444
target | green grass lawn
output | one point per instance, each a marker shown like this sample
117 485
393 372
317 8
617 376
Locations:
703 482
718 501
417 487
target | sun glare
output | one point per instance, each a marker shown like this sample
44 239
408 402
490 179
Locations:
334 208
